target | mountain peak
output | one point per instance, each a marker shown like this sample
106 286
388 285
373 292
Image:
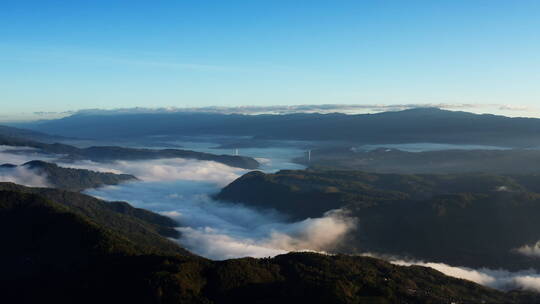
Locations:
38 164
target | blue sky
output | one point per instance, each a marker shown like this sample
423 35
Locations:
60 56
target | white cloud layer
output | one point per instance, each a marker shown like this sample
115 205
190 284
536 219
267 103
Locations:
23 176
167 170
182 189
219 230
499 279
530 250
269 239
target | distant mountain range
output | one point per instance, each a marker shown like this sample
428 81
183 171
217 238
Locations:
65 247
415 125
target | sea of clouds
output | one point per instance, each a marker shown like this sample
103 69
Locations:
183 190
222 230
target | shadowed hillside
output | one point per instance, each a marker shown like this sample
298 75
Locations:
144 229
54 254
475 220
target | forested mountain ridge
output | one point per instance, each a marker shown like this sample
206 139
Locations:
144 229
475 220
413 125
54 254
386 160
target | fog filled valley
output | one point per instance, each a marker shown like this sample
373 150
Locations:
228 218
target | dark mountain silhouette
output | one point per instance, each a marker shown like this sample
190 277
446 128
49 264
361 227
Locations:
142 228
475 220
415 125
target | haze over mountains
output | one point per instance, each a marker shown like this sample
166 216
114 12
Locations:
415 125
29 134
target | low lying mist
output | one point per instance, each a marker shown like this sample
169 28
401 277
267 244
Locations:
183 189
23 176
499 279
220 230
166 170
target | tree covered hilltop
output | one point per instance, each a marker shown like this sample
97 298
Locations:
474 219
